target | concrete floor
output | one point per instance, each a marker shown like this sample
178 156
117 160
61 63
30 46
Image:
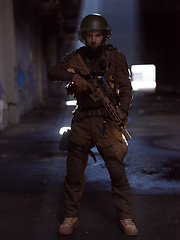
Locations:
32 170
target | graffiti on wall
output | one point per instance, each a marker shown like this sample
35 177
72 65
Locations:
21 78
25 82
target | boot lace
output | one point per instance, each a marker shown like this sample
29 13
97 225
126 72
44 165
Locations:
127 222
68 220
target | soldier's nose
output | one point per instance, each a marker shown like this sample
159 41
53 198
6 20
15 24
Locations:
93 39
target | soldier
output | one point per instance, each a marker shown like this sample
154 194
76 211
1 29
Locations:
91 125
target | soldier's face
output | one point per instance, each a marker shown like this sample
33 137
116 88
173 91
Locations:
94 38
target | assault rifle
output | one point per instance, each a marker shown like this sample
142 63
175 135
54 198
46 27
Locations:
77 63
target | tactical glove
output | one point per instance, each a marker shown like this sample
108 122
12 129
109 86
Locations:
123 115
80 83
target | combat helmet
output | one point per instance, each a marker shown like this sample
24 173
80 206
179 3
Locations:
93 22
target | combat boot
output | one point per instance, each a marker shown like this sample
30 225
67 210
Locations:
68 225
128 227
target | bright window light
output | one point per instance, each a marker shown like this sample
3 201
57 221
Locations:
64 129
71 103
143 76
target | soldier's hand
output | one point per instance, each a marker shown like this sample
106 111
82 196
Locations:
81 84
123 115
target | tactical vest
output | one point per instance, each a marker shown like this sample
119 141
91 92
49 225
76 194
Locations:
104 69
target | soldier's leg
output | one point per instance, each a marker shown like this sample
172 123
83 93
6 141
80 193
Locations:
113 148
74 182
113 156
75 179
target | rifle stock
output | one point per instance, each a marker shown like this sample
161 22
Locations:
77 63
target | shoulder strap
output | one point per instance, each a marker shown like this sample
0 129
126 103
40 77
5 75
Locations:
108 52
111 47
106 56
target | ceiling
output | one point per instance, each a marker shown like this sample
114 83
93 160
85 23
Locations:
56 15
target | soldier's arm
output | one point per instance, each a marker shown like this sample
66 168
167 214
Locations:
125 88
59 73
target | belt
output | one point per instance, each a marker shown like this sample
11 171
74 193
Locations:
93 112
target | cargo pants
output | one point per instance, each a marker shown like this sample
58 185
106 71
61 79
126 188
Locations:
88 132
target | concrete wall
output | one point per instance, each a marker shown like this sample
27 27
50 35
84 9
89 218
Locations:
8 95
21 65
28 57
32 40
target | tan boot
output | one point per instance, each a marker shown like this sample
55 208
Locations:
68 225
128 227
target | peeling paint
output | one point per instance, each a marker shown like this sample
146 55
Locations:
25 81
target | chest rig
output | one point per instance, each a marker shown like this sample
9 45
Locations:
105 79
102 66
101 69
